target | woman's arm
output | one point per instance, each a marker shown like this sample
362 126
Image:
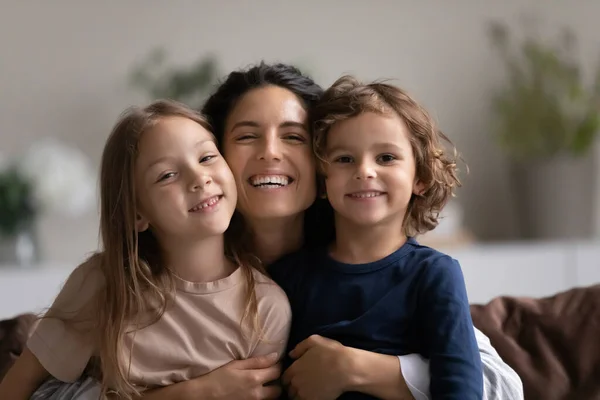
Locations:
500 382
325 369
24 377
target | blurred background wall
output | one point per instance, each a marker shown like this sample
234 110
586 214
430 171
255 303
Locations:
65 71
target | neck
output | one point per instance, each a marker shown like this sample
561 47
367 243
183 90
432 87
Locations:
274 238
200 260
360 244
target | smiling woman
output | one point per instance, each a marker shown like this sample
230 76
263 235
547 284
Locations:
273 154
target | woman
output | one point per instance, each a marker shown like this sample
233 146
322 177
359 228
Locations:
259 117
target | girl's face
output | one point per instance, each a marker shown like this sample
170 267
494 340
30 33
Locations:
185 190
268 147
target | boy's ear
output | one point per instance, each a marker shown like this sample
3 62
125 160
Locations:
141 223
418 187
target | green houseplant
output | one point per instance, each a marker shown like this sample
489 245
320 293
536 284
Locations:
189 84
546 120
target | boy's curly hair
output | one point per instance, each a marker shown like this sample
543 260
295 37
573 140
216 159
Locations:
435 168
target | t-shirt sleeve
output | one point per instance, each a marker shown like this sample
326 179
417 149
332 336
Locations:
275 317
62 340
449 338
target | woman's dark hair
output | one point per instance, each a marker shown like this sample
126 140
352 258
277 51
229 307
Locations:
220 104
318 220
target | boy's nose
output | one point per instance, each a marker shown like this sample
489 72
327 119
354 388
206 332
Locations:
365 170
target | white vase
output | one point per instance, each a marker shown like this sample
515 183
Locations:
20 249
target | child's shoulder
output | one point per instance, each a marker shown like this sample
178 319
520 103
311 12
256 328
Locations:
436 268
86 279
429 256
269 295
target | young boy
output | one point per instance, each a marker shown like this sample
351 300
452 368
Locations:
375 288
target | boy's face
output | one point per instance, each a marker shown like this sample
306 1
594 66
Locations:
370 174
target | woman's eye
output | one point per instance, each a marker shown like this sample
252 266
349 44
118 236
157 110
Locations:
386 158
296 138
245 137
207 158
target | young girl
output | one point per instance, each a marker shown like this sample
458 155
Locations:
166 300
375 288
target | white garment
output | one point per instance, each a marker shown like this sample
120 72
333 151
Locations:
500 382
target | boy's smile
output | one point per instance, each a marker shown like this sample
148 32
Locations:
370 174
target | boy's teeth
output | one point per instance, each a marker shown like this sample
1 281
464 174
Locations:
272 180
365 194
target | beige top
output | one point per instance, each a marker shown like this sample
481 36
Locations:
200 332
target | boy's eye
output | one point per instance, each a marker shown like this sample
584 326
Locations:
386 158
207 158
343 159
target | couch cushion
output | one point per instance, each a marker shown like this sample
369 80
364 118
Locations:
13 336
553 343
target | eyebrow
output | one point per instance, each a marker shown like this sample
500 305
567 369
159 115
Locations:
166 158
254 124
376 146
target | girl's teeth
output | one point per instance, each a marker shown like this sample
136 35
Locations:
207 203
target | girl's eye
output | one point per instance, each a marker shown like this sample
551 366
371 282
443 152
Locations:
386 158
343 159
207 158
166 176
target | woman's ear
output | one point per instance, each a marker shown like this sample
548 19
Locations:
141 223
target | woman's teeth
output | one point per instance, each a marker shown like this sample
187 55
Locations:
270 181
209 202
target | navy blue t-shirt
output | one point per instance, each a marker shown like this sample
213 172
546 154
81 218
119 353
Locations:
412 301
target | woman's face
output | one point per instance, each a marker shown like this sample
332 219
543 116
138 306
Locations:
269 150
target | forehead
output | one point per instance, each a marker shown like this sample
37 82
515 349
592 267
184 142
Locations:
269 105
171 133
369 128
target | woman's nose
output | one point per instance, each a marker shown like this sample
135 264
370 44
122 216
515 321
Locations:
271 148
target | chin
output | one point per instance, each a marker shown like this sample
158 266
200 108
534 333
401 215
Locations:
279 211
364 220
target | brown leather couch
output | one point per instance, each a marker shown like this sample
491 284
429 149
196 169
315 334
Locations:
553 343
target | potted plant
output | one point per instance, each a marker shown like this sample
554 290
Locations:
189 84
546 120
50 177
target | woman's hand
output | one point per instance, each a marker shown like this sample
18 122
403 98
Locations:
244 380
237 380
321 370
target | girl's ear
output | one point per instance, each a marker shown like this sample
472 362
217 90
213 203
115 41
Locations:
141 223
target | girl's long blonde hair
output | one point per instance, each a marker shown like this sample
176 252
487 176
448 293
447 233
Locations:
136 281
